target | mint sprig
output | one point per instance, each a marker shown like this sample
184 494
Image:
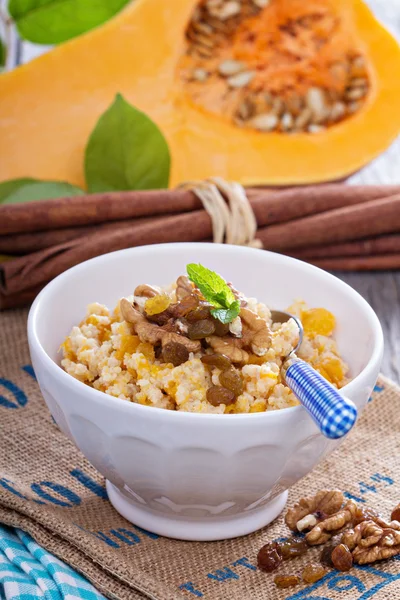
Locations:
216 291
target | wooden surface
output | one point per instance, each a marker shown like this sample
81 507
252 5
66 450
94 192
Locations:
381 290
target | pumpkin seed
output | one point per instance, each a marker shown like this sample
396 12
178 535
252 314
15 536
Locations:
303 119
200 74
203 40
358 82
245 109
201 27
241 79
315 128
287 121
214 3
264 122
353 107
356 93
337 112
277 106
358 61
261 3
316 103
226 11
231 67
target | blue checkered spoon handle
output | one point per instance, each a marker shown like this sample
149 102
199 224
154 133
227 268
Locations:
334 414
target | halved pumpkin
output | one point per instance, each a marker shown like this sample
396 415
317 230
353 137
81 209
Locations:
282 124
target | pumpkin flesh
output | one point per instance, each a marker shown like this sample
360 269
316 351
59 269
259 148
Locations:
49 107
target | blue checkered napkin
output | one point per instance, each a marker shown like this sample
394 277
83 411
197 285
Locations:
28 572
334 414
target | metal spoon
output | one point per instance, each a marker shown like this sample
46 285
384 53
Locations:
334 414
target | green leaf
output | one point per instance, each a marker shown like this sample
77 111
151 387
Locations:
216 291
126 151
3 54
226 315
41 190
10 186
55 21
213 287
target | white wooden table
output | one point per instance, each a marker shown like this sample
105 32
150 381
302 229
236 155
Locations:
381 290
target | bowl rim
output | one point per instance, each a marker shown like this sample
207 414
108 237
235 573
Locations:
112 401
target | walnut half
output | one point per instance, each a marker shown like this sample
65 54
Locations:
324 503
149 332
369 542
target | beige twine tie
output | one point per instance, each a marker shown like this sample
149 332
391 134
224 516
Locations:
231 214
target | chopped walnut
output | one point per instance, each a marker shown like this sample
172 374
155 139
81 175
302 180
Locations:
230 347
369 542
325 502
258 328
146 291
149 332
332 525
183 287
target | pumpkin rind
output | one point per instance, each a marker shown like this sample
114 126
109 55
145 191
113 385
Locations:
49 106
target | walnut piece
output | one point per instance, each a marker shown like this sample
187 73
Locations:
230 347
332 525
260 340
369 542
183 287
149 332
325 502
146 291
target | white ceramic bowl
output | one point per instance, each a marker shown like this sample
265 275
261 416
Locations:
184 475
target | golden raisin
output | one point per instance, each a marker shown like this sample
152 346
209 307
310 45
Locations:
342 558
312 573
292 548
318 321
286 581
395 516
157 304
232 380
217 395
269 558
175 353
220 361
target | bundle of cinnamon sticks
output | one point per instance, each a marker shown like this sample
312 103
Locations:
335 226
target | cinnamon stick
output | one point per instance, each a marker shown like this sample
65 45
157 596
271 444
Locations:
17 244
384 262
93 208
39 267
387 244
272 206
351 222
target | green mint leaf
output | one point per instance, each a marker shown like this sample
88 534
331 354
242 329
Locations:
55 21
12 185
126 151
39 190
227 315
3 54
213 287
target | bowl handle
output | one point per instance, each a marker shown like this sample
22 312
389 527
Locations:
334 414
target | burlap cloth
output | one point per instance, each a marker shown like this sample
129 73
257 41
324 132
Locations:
50 490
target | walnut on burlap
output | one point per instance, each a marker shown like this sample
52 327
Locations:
35 458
